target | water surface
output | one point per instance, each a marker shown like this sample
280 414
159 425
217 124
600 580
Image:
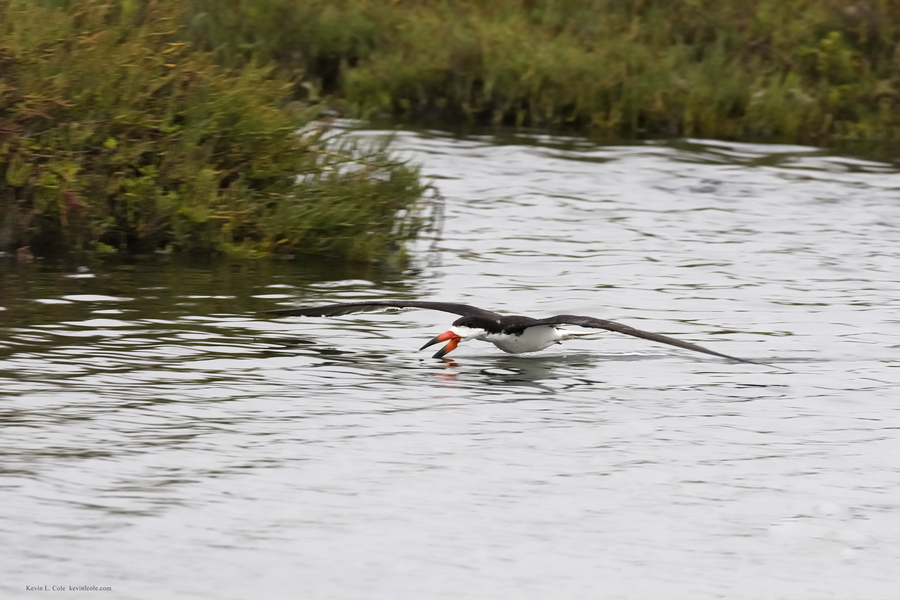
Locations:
165 439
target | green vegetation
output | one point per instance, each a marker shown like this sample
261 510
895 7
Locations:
192 125
773 69
116 134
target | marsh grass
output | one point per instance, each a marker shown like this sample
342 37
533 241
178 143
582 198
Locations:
117 134
773 69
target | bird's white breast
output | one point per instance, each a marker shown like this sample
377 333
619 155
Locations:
530 340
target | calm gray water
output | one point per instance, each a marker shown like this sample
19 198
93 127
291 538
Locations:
163 438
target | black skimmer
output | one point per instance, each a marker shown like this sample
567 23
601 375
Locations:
510 333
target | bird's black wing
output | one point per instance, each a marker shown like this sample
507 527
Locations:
374 306
595 323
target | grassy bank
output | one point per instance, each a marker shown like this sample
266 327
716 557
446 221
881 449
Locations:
117 134
773 69
147 125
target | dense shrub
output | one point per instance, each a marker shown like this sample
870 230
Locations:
115 132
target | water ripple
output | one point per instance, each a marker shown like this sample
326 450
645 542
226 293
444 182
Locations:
161 433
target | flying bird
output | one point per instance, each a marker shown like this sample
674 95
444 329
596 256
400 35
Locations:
511 333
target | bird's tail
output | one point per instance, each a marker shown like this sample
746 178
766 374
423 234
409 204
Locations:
574 335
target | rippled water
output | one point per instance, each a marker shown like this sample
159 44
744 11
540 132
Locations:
163 438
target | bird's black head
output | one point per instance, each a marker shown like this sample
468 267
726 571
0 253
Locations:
476 322
512 324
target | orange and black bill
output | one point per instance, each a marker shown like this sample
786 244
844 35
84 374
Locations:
450 347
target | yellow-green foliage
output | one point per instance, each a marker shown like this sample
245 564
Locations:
116 133
793 69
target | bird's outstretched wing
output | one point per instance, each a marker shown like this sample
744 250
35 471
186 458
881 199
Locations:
595 323
375 306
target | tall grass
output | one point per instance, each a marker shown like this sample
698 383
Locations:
788 69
